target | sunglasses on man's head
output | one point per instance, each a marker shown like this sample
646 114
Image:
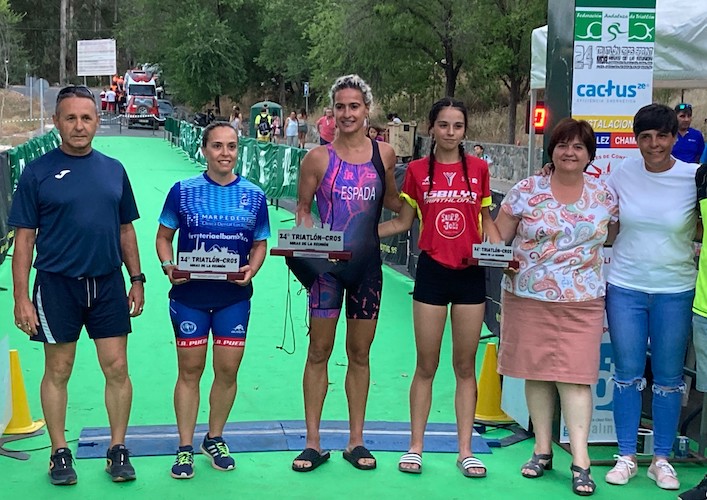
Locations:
74 91
683 106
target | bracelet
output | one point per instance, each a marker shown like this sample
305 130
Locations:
166 263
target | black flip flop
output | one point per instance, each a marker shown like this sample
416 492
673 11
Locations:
313 457
357 454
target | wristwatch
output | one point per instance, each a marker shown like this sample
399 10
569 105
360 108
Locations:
138 277
165 264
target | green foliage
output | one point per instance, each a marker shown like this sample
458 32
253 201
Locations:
40 25
207 62
284 48
12 56
197 45
411 51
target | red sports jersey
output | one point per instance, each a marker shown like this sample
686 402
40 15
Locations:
449 214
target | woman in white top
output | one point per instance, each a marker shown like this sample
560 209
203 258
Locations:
651 285
236 120
291 128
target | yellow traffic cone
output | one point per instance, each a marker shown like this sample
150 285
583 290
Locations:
488 400
21 421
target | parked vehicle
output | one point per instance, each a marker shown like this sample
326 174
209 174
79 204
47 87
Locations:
143 110
140 83
166 110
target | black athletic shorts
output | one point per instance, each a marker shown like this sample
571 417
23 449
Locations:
64 305
438 285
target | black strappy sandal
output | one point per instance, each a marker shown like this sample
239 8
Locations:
582 479
537 466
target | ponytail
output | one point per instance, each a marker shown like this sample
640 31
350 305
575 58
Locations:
465 170
431 167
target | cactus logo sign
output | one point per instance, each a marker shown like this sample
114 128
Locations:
612 74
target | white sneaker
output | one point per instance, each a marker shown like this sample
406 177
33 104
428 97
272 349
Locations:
624 470
664 475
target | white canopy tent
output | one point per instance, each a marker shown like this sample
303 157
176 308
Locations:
680 47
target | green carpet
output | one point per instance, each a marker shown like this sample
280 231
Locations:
269 389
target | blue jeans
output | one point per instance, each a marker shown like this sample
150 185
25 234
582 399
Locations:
635 318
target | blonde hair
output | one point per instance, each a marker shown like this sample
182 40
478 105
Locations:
352 82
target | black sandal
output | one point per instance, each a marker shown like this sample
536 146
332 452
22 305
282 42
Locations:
536 465
354 456
582 479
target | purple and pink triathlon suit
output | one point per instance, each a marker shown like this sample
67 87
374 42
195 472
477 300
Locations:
350 199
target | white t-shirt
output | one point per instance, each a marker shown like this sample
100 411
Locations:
653 252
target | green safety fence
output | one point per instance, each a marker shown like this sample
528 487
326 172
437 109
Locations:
21 155
273 167
12 163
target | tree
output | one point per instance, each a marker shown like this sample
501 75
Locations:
10 50
510 24
200 46
366 37
85 19
11 53
434 29
284 47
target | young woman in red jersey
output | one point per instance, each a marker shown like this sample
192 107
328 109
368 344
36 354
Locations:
449 192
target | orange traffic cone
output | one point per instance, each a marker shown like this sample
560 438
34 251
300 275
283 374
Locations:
21 421
488 400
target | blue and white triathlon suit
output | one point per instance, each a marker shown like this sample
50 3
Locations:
214 218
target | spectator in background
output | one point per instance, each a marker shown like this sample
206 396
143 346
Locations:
263 125
302 127
111 98
375 134
236 120
394 118
326 126
120 102
276 129
690 143
479 152
291 129
104 102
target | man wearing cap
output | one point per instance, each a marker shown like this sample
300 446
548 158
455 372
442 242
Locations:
77 206
690 143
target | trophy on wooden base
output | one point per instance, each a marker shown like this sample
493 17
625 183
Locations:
217 264
492 255
311 242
